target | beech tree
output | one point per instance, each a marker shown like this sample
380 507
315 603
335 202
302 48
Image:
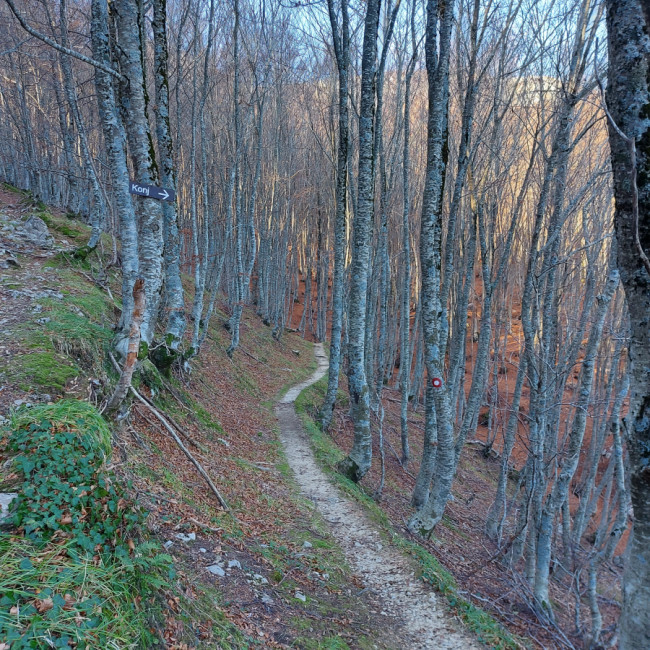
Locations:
628 100
358 462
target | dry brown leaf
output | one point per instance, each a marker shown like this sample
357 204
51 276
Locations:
44 605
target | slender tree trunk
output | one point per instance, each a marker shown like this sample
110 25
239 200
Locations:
559 493
437 62
174 296
341 49
133 106
124 382
357 464
115 143
239 222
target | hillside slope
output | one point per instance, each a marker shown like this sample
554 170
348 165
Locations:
265 574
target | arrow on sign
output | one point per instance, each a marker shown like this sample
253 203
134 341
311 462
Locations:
151 191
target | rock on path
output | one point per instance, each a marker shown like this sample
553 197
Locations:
424 624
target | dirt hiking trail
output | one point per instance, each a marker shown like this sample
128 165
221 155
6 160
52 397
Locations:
421 618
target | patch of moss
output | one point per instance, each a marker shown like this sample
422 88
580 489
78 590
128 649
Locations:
61 225
148 374
45 369
143 350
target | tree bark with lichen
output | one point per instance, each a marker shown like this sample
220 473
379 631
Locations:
357 463
628 100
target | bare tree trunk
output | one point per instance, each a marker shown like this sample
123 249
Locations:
98 210
133 106
357 464
174 295
559 493
406 355
124 382
115 143
628 99
342 53
239 222
439 17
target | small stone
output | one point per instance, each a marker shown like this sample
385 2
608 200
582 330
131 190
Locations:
300 596
234 564
357 544
306 545
186 538
49 293
216 570
267 600
224 442
260 578
168 544
5 500
326 576
203 550
9 262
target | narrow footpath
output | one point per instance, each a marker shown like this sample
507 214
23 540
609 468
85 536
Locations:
420 616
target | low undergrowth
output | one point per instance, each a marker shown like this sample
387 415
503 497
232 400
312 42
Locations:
74 569
488 631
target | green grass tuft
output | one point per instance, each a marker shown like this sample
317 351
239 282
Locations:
50 598
67 413
72 571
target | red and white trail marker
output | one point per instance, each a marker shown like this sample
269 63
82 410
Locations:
436 382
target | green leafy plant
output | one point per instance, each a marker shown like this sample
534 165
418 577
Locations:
74 570
66 489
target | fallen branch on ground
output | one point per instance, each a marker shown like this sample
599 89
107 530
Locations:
177 440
